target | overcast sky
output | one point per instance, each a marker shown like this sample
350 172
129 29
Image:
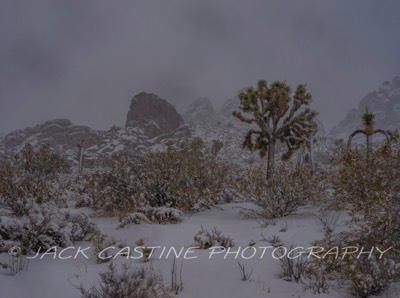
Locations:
84 60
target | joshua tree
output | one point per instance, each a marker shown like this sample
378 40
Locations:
81 147
368 121
276 119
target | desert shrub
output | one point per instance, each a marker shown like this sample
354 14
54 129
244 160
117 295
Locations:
206 239
31 177
111 189
127 283
188 176
45 227
364 275
368 190
290 188
82 226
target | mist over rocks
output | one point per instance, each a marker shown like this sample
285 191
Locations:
200 111
384 103
225 113
153 114
151 122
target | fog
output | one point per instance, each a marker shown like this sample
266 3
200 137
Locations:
84 60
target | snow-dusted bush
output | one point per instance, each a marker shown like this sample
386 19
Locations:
363 274
369 191
112 189
188 176
134 218
290 188
302 270
206 239
45 226
82 226
292 269
160 215
101 242
31 177
127 282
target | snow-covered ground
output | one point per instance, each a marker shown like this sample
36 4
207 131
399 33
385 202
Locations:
203 274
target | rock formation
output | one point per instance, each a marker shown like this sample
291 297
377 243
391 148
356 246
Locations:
384 103
154 115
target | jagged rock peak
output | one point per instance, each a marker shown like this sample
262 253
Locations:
384 103
153 114
200 111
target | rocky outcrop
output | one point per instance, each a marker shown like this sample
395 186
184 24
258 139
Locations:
153 115
321 128
200 111
58 132
151 123
384 103
225 116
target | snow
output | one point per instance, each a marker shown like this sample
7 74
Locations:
202 276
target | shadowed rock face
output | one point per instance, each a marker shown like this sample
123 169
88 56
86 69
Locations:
154 115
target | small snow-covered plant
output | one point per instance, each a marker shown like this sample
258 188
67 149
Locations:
292 269
206 239
82 226
145 250
134 218
317 281
290 188
14 264
176 283
275 240
101 242
31 177
244 275
162 215
127 282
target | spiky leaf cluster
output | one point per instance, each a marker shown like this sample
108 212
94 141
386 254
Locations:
276 117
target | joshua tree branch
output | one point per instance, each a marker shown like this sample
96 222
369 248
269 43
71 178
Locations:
353 134
386 133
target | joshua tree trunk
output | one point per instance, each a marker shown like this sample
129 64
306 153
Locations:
81 147
311 153
271 159
368 146
81 160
